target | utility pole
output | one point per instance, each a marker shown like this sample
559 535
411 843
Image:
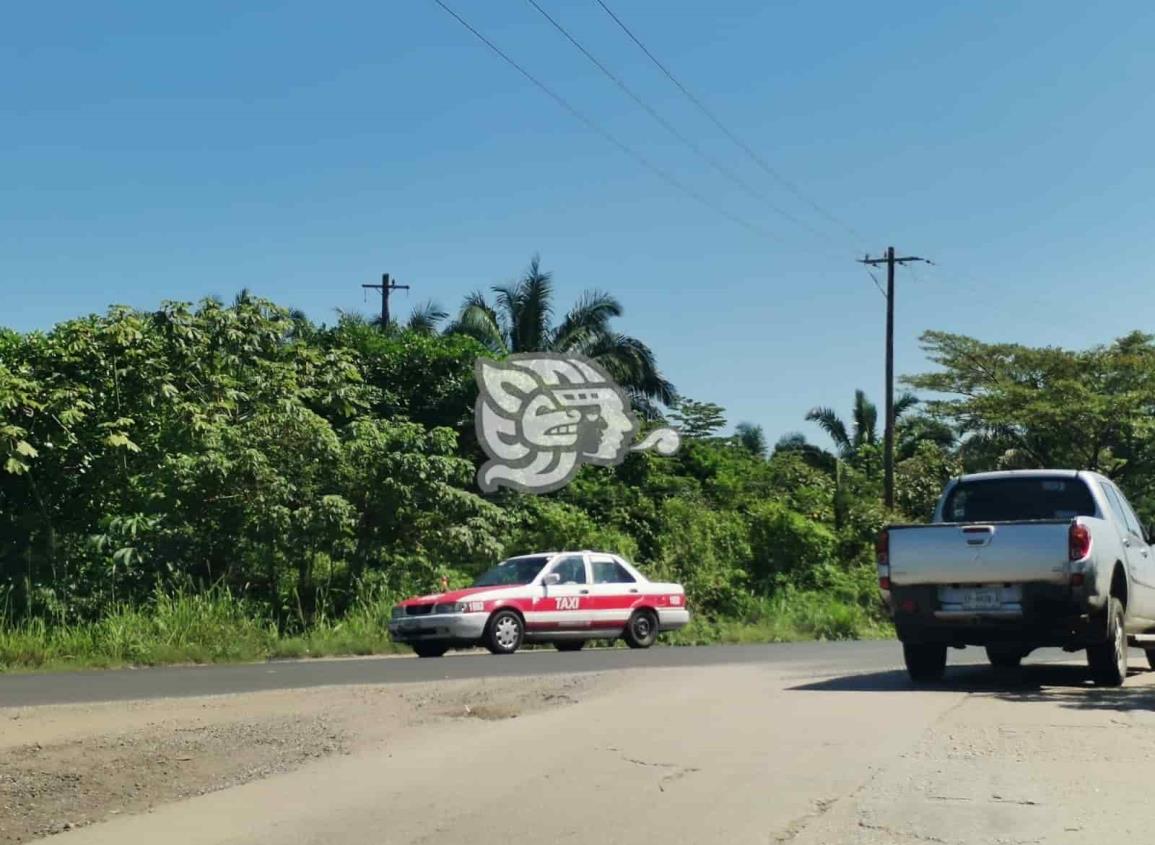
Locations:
386 287
888 438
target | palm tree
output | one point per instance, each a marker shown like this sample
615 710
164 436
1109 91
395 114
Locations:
863 428
520 319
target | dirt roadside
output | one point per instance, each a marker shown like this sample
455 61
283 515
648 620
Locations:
67 766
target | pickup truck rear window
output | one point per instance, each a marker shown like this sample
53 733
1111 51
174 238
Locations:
1009 499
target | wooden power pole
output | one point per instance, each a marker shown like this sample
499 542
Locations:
888 438
386 287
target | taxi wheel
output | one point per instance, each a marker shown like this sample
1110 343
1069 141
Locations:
642 629
569 645
430 649
504 633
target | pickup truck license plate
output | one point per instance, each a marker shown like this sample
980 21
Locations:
981 599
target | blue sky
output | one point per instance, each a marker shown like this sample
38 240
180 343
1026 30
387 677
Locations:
163 151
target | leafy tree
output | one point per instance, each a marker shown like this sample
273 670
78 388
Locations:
697 420
1020 406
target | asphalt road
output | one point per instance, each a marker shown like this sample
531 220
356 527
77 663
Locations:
127 684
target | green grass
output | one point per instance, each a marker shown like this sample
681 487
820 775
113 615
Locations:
215 627
788 617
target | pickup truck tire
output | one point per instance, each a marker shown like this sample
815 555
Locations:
924 661
1005 657
1108 660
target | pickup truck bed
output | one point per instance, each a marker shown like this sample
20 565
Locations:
980 553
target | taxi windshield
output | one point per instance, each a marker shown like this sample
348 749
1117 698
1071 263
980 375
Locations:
516 570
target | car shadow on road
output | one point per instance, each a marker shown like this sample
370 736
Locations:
1067 685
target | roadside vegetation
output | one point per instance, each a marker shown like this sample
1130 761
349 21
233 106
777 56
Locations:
218 482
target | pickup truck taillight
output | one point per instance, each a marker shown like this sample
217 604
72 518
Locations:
1078 541
882 558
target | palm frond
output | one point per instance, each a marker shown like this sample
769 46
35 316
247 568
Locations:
865 419
631 364
589 317
425 317
834 427
479 320
904 403
534 310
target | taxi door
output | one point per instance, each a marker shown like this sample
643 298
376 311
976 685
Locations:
565 606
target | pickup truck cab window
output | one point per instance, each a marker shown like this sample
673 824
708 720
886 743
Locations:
1019 498
1122 510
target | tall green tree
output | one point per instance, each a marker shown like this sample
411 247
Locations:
521 319
751 437
1019 406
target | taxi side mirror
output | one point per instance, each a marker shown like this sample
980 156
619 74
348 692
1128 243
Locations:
551 579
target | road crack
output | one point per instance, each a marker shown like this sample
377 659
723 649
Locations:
821 807
674 771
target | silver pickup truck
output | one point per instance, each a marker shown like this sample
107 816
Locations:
1015 561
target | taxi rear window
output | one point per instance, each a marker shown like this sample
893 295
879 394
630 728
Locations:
1010 499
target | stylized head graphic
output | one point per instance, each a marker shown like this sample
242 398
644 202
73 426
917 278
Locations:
540 416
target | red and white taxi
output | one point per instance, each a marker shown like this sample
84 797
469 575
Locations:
565 598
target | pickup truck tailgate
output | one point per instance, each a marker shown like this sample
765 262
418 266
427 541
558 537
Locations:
971 553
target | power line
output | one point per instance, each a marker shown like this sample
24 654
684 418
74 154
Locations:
674 131
877 283
746 148
662 174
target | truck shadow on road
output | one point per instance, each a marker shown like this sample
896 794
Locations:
1066 685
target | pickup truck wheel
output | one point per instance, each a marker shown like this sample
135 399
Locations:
1003 657
1108 660
642 629
504 633
430 649
924 661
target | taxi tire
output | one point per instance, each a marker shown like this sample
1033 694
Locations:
642 629
430 649
497 629
569 645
